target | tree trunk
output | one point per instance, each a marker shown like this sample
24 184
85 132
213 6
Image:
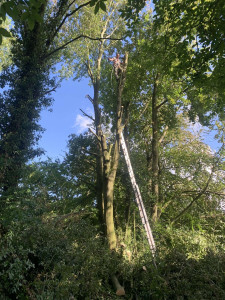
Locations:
155 153
111 164
111 234
99 159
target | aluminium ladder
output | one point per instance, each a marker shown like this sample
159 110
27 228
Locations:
138 198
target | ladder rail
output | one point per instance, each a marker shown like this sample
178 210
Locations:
138 198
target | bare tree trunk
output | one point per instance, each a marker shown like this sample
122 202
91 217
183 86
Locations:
155 152
99 158
98 130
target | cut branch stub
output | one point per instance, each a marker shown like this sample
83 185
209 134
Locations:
119 289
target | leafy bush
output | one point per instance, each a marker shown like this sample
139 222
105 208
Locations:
14 266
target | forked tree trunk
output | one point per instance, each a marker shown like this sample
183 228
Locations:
111 163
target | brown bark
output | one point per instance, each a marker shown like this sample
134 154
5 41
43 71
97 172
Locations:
155 152
98 130
111 164
106 166
99 158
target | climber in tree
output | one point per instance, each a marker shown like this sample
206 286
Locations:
117 64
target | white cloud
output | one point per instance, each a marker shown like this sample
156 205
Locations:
82 123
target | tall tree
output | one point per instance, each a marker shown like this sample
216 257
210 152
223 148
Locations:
156 96
86 59
27 83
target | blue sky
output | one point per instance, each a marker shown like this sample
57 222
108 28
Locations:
66 117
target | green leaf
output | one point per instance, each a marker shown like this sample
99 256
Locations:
102 6
32 3
31 23
13 13
2 12
93 2
0 39
3 18
8 7
25 16
37 17
97 6
4 32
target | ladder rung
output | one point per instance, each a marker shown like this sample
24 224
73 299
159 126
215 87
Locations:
138 198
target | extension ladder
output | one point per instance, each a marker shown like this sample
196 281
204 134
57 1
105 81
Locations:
138 198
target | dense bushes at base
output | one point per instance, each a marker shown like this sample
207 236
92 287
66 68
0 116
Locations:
50 256
65 258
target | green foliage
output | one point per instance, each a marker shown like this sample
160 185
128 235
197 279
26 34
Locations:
25 10
98 4
81 59
188 260
19 128
5 48
50 255
187 267
52 250
194 31
14 265
80 161
132 9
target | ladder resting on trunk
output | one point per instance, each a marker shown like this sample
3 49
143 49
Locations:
138 198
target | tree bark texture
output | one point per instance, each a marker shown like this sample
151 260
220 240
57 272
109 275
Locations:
155 152
111 163
99 158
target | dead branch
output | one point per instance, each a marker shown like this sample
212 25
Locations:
89 98
97 137
202 192
89 152
86 115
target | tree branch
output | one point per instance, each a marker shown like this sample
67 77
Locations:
163 135
89 152
87 64
50 91
69 15
86 115
97 137
161 104
89 98
206 192
77 38
194 199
